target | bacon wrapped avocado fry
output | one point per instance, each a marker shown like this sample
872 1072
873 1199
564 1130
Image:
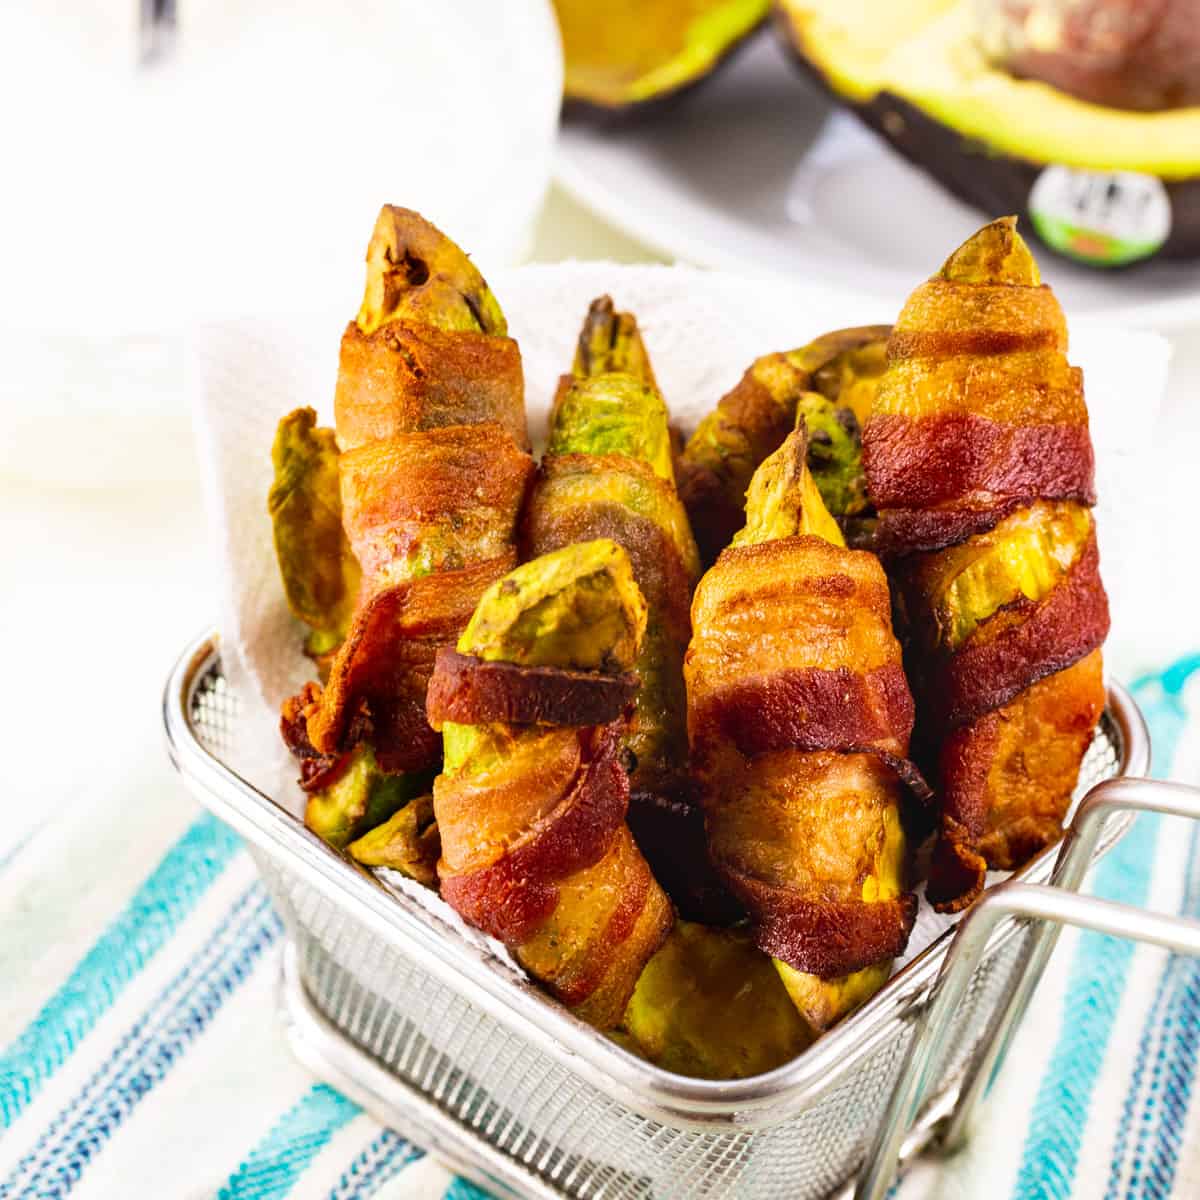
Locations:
799 718
433 470
532 797
980 464
608 472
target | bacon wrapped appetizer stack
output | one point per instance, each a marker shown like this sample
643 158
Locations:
532 797
979 461
799 718
831 381
607 472
434 468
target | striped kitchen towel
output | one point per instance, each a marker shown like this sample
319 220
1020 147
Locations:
140 1053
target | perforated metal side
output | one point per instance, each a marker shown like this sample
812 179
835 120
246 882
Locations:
511 1095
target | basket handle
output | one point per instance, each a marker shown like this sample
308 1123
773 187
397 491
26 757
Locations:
1052 905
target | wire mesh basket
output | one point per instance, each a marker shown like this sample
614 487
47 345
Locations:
436 1035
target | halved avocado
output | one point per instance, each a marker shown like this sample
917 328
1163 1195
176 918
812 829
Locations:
1115 185
625 53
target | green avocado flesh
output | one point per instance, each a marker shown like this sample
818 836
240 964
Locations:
626 52
578 608
929 54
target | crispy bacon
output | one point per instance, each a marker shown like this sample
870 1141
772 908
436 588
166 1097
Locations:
406 378
810 709
540 858
317 770
445 496
511 897
470 691
827 938
992 669
934 476
996 811
387 659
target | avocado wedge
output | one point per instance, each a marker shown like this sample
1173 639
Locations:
625 54
1100 184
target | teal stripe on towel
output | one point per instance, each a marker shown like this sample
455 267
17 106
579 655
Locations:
296 1138
168 895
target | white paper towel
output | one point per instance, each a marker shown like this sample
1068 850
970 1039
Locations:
702 329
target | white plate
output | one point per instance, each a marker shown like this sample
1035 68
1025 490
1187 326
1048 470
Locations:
757 171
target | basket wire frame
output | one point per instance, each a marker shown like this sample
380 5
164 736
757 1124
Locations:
524 1118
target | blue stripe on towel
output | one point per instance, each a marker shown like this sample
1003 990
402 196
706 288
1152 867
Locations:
384 1159
145 1054
1096 981
167 896
277 1161
1164 1072
1176 1071
464 1189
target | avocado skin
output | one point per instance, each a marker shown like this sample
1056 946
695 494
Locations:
992 181
592 112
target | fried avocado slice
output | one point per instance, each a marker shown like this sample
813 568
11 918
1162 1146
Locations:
997 254
577 608
608 426
415 273
709 1005
407 842
610 404
753 418
320 573
505 786
834 438
359 798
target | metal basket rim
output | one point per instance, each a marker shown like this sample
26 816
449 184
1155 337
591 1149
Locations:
759 1102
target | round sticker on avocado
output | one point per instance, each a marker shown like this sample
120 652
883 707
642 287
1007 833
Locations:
1105 218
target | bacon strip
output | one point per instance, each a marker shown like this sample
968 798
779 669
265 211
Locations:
810 709
989 671
385 664
823 937
471 691
406 378
541 858
513 896
934 477
996 811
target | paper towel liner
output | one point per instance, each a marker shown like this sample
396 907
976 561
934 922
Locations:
702 330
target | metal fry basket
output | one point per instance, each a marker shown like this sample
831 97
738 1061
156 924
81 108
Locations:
438 1037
